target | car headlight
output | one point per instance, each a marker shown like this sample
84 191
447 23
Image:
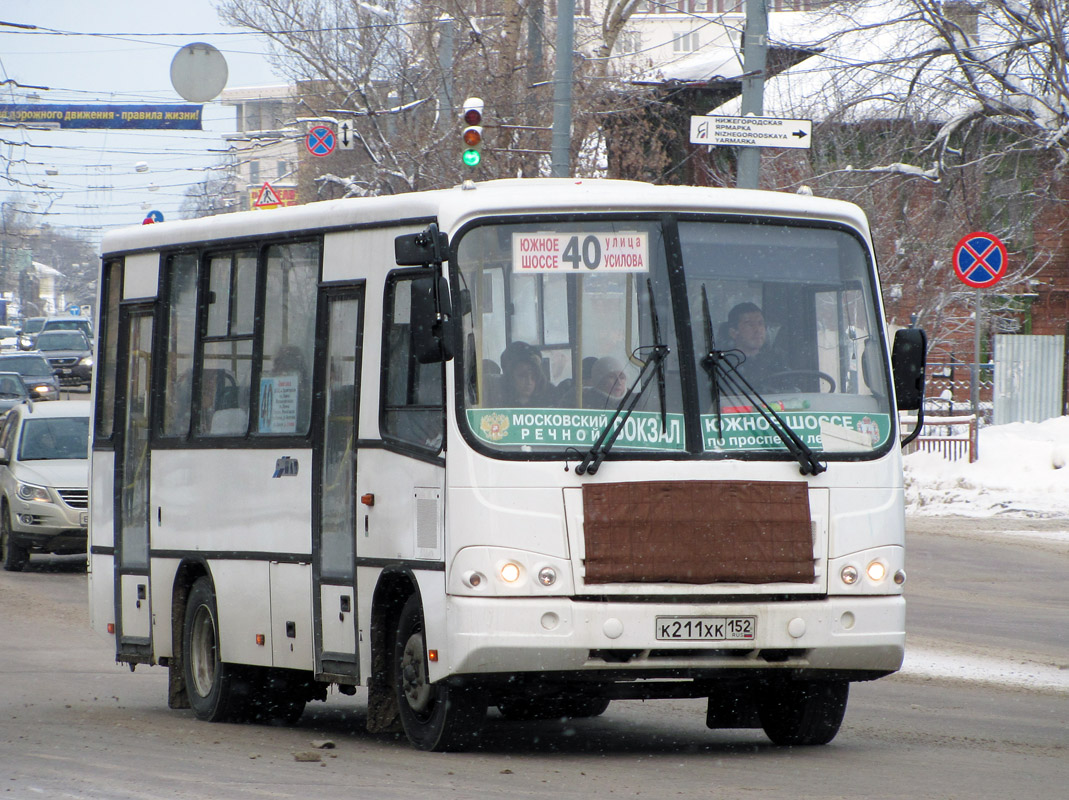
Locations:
87 361
31 493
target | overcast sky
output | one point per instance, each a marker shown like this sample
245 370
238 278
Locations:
96 185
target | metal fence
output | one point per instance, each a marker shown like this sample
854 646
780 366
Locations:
954 438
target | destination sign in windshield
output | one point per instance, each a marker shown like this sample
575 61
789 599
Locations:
549 251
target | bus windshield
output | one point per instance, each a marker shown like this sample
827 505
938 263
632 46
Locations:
559 318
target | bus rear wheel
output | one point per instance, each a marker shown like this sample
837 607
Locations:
437 717
212 685
803 712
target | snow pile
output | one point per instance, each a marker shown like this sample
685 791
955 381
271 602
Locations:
1021 472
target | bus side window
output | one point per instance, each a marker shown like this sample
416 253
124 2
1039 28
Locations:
412 393
226 349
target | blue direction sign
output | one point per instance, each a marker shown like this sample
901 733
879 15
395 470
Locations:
980 260
320 141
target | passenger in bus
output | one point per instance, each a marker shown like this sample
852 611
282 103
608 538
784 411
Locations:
608 382
746 327
526 384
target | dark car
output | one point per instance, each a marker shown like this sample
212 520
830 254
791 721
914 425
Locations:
70 323
69 354
36 373
12 390
31 326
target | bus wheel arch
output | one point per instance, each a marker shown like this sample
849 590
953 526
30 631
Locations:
215 690
188 572
439 716
394 588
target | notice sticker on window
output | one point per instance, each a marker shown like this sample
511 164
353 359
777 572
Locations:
580 252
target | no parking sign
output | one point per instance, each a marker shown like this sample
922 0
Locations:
320 141
980 260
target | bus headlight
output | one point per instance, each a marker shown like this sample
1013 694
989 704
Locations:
507 572
510 572
876 571
547 576
849 574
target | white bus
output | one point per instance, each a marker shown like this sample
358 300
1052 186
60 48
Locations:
533 444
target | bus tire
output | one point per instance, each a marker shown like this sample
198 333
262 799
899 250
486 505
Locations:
435 717
210 683
803 712
15 555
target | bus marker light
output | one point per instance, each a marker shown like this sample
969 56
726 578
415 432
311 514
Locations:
900 577
111 628
510 573
849 575
547 576
261 640
432 655
473 579
876 571
367 499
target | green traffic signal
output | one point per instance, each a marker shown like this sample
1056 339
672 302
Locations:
472 158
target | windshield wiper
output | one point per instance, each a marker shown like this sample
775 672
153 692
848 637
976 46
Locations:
608 436
611 431
709 364
723 366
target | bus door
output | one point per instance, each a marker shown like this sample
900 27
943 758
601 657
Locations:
334 479
133 612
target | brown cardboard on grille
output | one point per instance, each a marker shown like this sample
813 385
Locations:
698 532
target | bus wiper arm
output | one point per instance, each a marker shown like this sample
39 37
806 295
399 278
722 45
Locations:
709 364
725 363
611 431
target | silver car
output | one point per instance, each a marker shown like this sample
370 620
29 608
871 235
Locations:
44 480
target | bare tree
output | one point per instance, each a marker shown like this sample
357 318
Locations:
940 118
217 193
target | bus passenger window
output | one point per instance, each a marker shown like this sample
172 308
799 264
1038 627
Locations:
284 394
412 393
226 360
181 329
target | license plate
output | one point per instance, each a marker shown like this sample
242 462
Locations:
706 629
65 370
83 519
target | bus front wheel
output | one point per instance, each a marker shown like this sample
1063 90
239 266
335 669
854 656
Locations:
803 712
210 683
438 717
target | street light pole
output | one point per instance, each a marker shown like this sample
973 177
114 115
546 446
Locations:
754 61
562 91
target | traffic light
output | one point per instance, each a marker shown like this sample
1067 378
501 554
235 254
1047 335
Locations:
472 116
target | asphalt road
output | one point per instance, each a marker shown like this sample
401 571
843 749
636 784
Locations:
75 725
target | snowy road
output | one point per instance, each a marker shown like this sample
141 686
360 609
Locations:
979 712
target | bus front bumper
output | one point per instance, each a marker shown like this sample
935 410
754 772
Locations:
863 635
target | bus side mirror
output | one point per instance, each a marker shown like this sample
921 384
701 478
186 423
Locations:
429 247
431 319
908 358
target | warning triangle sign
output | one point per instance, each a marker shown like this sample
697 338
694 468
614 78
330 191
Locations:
268 197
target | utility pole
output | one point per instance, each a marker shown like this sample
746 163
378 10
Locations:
445 67
562 91
754 60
